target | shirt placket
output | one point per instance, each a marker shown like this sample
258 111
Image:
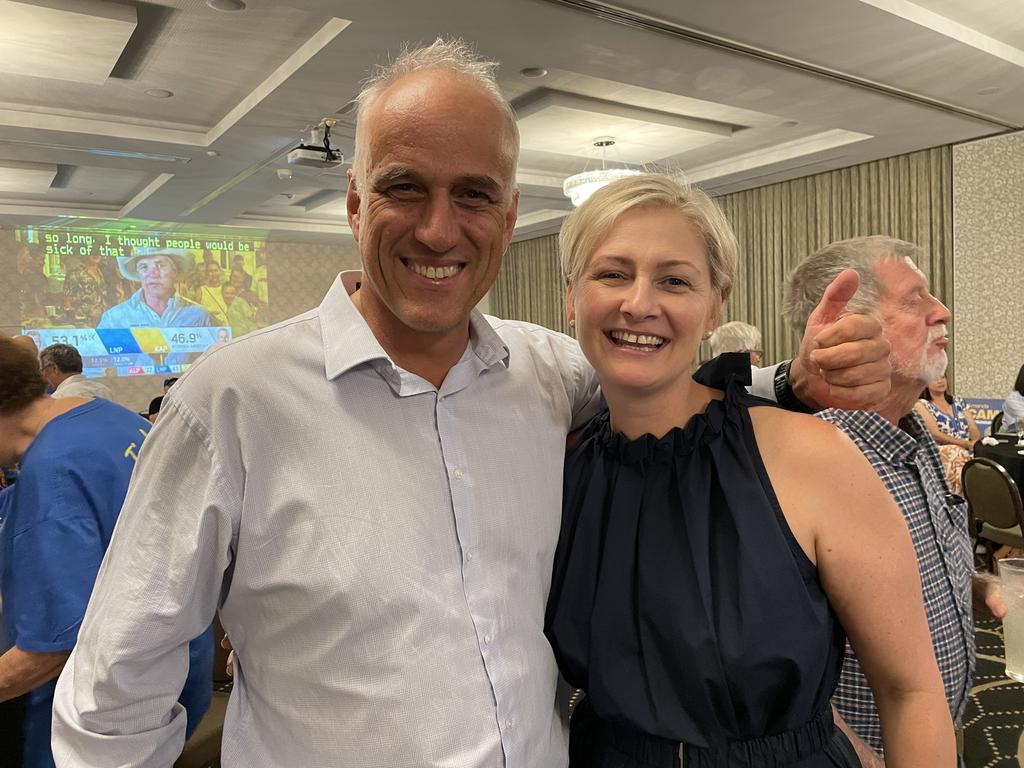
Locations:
951 549
478 588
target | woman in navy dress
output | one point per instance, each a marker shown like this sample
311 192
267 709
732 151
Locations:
713 547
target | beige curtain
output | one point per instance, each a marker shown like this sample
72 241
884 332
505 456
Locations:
909 197
530 285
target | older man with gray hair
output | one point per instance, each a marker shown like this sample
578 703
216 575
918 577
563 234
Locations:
894 439
62 369
737 336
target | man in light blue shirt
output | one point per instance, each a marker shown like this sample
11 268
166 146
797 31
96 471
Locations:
156 304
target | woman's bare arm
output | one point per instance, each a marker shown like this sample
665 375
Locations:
843 516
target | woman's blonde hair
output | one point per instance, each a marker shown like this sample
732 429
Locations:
589 224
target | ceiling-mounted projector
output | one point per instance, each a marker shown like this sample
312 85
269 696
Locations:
316 157
317 152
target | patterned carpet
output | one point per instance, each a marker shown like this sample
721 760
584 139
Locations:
994 719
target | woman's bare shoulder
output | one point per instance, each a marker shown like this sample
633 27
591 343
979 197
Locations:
795 435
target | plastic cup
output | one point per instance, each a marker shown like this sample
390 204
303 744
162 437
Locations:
1011 576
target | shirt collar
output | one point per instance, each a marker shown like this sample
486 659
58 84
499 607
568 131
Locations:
139 301
897 444
69 381
349 342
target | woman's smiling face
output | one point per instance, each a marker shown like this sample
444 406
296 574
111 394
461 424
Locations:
644 302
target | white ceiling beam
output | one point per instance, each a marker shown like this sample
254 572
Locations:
952 29
808 145
323 37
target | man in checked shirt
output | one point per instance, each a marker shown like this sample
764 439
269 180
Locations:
895 441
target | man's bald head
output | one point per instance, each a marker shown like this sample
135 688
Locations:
25 341
454 57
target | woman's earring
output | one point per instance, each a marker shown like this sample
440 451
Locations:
707 335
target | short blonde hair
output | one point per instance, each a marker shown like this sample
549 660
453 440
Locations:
589 224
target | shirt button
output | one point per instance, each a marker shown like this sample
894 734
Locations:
469 555
508 723
458 474
487 639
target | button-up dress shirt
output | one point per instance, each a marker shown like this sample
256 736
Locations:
79 386
380 550
907 461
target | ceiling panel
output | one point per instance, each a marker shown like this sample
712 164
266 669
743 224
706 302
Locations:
209 60
738 93
570 124
78 41
29 178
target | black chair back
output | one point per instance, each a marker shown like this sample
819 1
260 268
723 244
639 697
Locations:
992 494
997 423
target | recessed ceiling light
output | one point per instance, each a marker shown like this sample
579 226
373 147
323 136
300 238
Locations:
284 173
159 93
226 5
533 72
212 153
991 90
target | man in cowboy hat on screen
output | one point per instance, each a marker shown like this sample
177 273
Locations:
156 303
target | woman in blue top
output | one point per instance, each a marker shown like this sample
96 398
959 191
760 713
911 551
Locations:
952 426
947 417
711 544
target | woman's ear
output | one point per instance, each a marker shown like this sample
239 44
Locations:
570 305
714 317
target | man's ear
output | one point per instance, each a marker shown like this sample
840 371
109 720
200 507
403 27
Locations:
511 215
352 204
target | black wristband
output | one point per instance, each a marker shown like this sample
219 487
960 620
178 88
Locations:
784 394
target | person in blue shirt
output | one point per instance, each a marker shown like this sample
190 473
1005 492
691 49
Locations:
156 304
76 456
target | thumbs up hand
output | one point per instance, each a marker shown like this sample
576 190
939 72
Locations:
844 358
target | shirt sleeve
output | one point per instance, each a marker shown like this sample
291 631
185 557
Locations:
158 587
763 382
53 565
581 382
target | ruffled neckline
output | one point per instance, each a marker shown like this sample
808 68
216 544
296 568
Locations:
729 372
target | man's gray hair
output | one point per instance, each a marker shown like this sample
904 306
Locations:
450 55
807 283
736 336
64 356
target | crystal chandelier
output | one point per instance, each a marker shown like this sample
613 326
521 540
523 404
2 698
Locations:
580 186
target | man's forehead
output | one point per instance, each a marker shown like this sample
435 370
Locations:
900 274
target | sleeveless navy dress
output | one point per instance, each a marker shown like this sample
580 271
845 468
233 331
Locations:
683 605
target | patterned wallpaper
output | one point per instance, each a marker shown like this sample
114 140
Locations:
298 276
988 264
